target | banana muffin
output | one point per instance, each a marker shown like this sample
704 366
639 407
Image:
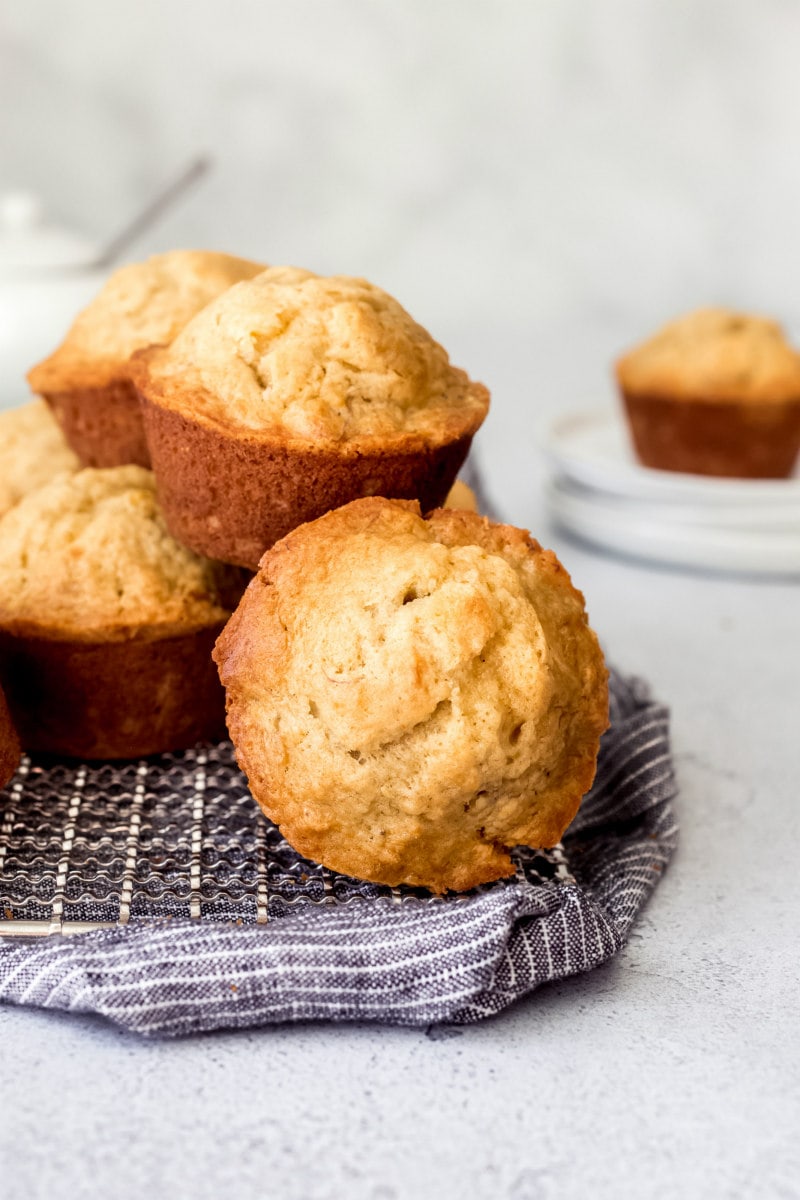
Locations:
10 752
32 451
86 382
714 393
106 623
290 395
411 698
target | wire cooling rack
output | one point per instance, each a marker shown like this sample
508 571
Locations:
90 845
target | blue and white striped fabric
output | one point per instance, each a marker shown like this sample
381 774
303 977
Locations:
455 961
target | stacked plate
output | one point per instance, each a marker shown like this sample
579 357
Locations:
600 493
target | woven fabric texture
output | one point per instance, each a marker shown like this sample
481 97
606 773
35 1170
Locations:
354 951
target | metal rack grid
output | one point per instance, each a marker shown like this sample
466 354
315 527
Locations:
86 846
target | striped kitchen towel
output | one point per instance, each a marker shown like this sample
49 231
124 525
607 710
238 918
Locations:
416 962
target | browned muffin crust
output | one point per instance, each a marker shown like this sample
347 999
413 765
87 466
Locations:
410 698
113 699
102 425
757 440
231 497
10 751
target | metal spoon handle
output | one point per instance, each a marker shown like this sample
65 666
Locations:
154 210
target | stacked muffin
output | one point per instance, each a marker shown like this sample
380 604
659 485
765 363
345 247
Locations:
106 622
86 380
94 587
290 395
410 697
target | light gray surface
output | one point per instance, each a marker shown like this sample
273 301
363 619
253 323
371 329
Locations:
671 1073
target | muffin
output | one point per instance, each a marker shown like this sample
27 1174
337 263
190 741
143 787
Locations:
106 623
85 381
412 698
290 395
32 451
10 752
714 393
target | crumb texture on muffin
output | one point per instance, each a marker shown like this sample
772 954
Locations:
32 452
327 359
140 304
412 698
89 557
714 354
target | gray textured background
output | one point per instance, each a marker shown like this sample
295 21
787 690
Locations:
486 160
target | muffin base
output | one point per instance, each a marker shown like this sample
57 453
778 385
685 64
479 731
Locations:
10 752
231 498
103 425
113 699
759 440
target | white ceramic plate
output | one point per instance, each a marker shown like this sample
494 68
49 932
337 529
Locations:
592 448
650 532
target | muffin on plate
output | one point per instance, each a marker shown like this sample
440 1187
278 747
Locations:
32 451
106 623
10 752
85 381
714 393
290 395
411 698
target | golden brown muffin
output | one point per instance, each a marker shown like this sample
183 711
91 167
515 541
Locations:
411 698
106 623
86 381
714 393
290 395
10 752
32 452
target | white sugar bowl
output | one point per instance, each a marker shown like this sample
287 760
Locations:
47 275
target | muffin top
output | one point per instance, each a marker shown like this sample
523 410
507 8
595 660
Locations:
32 451
313 359
714 354
88 558
139 305
412 698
